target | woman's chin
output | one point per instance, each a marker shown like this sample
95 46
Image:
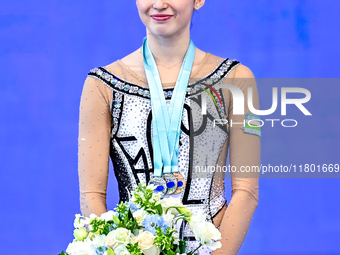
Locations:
163 32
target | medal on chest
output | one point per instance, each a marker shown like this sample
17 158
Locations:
166 122
180 183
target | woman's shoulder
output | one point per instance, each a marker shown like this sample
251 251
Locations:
238 70
119 70
213 57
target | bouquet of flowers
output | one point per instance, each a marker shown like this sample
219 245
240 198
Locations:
146 225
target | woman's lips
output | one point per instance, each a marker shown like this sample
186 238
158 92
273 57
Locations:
159 17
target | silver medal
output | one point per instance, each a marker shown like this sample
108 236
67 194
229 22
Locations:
171 183
160 184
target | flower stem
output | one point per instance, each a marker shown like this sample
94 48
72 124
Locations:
192 252
179 219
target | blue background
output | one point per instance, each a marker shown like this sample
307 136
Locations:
46 51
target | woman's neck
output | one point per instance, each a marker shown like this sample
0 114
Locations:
168 50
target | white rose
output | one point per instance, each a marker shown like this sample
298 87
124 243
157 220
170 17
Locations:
108 215
117 237
81 248
145 242
169 202
153 250
139 215
121 250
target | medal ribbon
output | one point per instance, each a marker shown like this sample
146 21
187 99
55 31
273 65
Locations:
166 130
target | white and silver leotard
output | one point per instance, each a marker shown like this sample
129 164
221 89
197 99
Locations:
116 122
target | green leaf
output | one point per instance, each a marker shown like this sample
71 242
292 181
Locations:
134 249
110 252
115 220
159 209
182 245
150 211
130 214
170 252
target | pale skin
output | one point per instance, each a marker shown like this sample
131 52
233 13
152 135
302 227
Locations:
169 39
168 42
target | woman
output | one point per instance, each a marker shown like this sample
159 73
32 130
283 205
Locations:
116 121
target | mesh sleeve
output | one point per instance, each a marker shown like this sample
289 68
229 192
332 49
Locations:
94 146
244 152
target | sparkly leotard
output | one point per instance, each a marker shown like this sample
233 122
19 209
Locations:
116 121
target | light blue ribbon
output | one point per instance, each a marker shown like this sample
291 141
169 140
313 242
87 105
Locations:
166 130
